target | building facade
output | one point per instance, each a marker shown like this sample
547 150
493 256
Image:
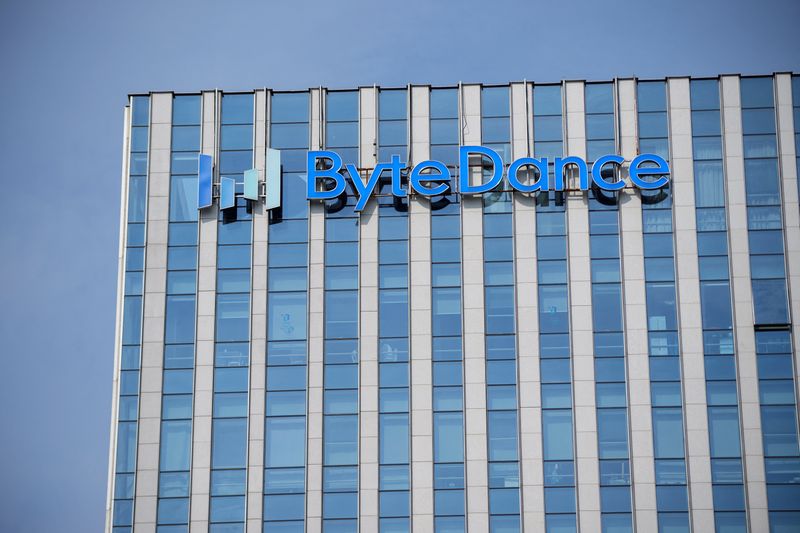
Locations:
559 361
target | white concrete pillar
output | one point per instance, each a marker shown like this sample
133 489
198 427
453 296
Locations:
530 405
204 358
689 312
420 308
582 334
635 316
743 305
368 342
477 476
316 336
155 286
258 332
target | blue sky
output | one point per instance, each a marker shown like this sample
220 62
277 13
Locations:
67 68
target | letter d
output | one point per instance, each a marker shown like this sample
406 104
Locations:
463 174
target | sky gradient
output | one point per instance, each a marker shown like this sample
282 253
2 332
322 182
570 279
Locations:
67 68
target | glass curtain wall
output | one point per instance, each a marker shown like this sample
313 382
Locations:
727 472
669 449
500 325
394 436
607 320
232 336
179 330
772 321
287 332
554 334
796 114
448 353
341 352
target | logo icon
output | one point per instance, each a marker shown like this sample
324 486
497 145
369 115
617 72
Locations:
254 189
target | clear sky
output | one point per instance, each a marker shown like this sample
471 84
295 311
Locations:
67 67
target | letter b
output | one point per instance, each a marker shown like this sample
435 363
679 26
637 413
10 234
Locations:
314 174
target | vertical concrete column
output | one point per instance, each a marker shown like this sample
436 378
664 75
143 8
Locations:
474 342
791 214
368 343
155 287
316 334
258 332
420 300
635 316
204 358
743 305
581 334
121 256
530 406
689 311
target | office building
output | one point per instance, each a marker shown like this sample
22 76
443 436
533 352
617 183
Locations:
566 360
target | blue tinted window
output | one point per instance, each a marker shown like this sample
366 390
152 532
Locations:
285 441
494 102
668 432
290 107
671 499
724 431
341 440
237 108
343 323
140 110
176 406
229 448
286 403
177 381
557 434
186 109
284 507
286 378
394 438
502 432
599 98
173 510
341 402
448 438
392 104
779 428
559 500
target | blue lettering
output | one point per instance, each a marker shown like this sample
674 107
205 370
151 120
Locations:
396 166
418 178
364 190
661 169
463 173
562 163
538 164
597 169
314 174
432 178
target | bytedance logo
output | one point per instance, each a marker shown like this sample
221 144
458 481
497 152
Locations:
254 189
326 179
327 176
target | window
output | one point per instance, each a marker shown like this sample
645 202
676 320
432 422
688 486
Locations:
231 372
340 393
285 442
448 404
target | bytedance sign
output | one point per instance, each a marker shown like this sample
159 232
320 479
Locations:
326 176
